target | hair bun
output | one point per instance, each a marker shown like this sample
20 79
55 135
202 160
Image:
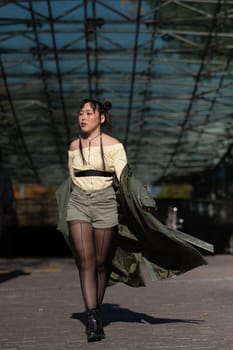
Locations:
107 105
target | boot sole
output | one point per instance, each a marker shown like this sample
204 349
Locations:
93 337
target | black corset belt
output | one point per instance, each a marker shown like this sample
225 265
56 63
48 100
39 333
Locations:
91 172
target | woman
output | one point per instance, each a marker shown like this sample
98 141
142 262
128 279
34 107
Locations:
92 208
94 205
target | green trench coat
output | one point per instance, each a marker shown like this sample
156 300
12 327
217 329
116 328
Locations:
141 237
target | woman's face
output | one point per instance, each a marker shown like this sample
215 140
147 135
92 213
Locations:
89 120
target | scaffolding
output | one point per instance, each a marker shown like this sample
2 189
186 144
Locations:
166 66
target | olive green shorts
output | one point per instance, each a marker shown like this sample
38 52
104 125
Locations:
96 207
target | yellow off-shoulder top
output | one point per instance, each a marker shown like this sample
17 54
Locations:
115 160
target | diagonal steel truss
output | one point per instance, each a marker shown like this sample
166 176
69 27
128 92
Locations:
165 65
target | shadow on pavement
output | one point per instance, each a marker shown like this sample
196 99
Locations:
12 274
115 313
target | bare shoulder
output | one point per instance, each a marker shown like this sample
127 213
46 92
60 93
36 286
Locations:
74 145
109 140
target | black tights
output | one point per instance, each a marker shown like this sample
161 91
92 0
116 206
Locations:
93 247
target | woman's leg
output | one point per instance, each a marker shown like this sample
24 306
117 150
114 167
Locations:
83 239
103 247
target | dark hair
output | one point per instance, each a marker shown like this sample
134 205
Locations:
103 108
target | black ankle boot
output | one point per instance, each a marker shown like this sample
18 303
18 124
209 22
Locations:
92 328
99 322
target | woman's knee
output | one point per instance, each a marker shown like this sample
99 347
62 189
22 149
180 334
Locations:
100 265
87 262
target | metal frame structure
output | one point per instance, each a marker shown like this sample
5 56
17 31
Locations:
166 66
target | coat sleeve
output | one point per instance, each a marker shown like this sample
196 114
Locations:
62 196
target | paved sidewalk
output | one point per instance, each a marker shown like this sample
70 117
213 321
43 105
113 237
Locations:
41 308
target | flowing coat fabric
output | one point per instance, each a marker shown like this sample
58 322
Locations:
141 237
